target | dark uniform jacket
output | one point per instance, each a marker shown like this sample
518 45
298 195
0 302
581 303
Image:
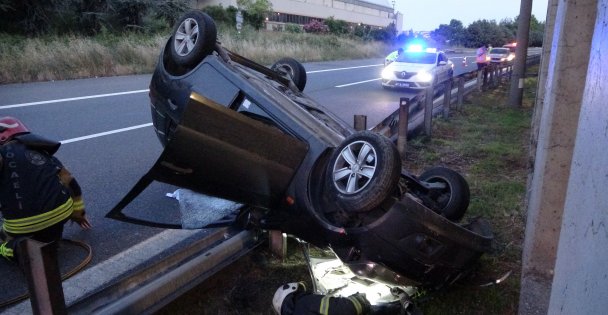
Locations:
32 197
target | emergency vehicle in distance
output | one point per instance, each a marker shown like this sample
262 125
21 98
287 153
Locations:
416 68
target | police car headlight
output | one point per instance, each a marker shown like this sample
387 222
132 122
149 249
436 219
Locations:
425 76
511 57
387 73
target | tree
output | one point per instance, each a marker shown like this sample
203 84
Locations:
256 11
337 27
483 32
453 33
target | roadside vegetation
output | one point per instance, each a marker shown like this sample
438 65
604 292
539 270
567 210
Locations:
60 40
49 58
487 142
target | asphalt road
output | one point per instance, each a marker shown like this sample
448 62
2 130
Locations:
109 143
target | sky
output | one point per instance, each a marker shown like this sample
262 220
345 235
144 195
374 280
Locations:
426 15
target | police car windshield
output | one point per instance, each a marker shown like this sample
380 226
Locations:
417 57
499 51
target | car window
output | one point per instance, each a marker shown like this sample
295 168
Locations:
443 57
499 51
417 57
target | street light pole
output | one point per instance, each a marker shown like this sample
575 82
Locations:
521 51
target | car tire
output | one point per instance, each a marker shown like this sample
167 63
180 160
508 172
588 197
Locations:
453 200
363 171
194 37
294 69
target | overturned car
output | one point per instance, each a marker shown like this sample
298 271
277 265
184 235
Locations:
234 129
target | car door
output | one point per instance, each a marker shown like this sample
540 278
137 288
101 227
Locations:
223 153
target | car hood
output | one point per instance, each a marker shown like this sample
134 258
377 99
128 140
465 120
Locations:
499 55
410 67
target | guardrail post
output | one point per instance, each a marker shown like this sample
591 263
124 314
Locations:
447 98
485 77
460 92
428 110
498 75
278 243
492 83
404 108
39 263
480 79
360 122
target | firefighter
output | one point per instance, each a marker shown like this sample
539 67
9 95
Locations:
293 299
38 195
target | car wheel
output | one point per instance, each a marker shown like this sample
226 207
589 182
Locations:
294 69
194 37
452 198
363 171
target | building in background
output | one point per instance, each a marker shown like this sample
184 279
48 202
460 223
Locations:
376 13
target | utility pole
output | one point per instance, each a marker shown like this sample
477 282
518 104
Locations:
521 51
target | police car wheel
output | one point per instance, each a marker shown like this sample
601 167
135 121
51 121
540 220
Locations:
194 37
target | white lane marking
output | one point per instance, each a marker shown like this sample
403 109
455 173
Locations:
101 134
349 84
72 99
140 91
146 90
338 69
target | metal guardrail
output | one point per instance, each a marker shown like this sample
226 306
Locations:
148 290
144 289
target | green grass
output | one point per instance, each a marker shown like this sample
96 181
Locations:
486 141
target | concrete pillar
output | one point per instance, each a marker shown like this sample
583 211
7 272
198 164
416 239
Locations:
580 284
566 77
540 89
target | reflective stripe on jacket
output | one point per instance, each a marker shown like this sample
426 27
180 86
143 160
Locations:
39 222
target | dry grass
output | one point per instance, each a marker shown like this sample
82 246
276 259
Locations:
60 58
73 57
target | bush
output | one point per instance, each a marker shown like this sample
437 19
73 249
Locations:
316 27
337 27
218 14
293 28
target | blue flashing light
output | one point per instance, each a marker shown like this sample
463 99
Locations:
414 48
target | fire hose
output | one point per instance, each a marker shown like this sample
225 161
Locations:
69 274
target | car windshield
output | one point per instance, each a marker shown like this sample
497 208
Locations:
417 57
499 51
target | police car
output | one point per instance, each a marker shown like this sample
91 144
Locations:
417 68
501 55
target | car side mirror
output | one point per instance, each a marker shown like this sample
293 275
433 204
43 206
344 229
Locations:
443 63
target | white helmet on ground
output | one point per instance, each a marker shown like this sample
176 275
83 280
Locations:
283 292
